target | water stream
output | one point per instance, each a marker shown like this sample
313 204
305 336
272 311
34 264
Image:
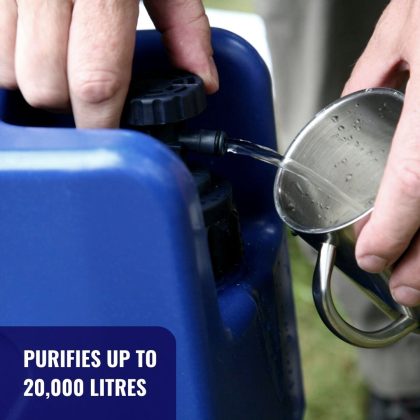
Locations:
303 173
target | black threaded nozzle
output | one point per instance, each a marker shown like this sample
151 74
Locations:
210 142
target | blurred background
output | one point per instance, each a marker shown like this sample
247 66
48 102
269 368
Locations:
333 387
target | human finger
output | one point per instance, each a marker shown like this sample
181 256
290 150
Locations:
186 33
41 52
101 46
8 20
396 216
405 279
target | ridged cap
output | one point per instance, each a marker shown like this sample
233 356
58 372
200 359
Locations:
166 100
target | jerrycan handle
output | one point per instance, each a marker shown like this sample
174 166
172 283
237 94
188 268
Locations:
324 303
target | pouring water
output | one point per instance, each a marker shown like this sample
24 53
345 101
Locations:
318 190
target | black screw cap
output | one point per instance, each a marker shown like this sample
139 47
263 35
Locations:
166 100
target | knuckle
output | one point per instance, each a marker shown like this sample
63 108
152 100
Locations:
96 87
389 247
408 177
380 242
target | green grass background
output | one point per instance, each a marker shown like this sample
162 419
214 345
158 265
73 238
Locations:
333 387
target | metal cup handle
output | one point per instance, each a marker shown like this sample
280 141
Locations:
327 311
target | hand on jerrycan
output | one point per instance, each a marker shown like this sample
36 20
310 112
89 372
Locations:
390 238
79 53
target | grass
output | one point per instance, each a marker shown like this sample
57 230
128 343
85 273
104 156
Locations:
242 5
333 388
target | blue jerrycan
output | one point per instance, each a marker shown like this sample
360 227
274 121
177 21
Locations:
106 228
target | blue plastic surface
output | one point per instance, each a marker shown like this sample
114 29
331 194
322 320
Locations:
104 228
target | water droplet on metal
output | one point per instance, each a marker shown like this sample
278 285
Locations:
291 207
349 177
334 118
341 127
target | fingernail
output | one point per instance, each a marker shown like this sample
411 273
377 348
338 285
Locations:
371 263
406 295
212 77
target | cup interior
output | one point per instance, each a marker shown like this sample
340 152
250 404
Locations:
332 170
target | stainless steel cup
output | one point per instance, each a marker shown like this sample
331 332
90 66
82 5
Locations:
327 186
